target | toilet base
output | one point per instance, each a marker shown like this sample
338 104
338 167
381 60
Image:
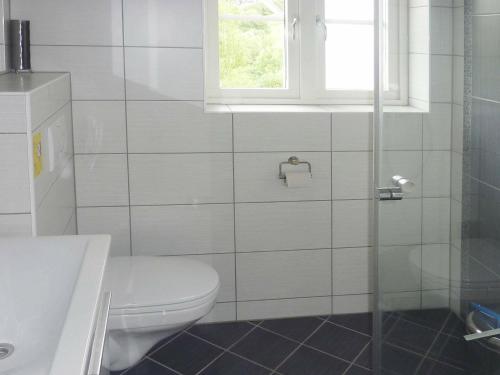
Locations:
126 348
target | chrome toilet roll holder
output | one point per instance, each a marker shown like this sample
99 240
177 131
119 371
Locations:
293 160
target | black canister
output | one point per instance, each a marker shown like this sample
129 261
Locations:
20 58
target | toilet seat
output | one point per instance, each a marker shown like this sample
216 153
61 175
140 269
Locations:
155 291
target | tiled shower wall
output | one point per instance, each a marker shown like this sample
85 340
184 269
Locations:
165 178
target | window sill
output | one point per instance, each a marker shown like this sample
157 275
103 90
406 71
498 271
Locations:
276 108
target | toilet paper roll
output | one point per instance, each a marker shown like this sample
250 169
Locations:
298 179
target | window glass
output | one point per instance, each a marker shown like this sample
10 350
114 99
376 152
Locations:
252 44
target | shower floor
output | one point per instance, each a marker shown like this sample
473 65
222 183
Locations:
415 342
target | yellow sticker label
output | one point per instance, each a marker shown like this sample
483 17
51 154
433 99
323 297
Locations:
37 154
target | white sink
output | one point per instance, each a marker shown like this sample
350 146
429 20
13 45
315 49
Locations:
50 292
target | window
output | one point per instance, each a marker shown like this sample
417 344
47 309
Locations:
301 51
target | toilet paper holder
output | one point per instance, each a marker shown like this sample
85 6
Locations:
293 160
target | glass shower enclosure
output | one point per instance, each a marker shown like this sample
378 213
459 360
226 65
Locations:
436 203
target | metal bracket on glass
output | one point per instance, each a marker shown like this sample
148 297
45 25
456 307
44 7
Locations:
397 192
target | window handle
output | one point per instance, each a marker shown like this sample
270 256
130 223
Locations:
321 23
294 28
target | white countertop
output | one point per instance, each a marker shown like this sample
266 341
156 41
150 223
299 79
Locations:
22 83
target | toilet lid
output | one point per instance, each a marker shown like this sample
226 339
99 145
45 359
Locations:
155 281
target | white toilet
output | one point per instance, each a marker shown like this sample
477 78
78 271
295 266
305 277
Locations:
153 298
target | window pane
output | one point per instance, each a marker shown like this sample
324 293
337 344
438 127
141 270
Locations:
252 52
349 57
349 10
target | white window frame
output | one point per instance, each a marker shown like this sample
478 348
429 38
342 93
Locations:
306 75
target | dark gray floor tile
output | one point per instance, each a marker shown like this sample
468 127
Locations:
264 347
431 318
399 361
186 354
358 322
222 334
450 349
355 370
230 364
411 336
365 358
454 326
148 367
306 361
338 341
430 367
295 328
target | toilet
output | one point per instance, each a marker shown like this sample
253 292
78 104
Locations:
152 299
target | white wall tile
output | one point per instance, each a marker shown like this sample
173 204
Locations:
99 127
437 169
419 67
189 229
419 36
458 128
441 30
352 271
458 79
101 180
164 73
224 264
403 163
282 132
13 117
283 274
352 175
180 179
352 131
107 220
96 72
400 222
256 177
15 225
283 308
352 304
401 301
403 265
160 23
435 299
402 131
15 186
71 229
283 226
456 224
458 31
73 22
177 127
350 223
437 127
456 176
435 266
221 312
436 220
441 78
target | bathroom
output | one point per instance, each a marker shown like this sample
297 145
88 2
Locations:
249 187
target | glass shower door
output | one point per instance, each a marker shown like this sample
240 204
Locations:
437 195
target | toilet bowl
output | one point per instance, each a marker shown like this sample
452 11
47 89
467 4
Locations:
152 299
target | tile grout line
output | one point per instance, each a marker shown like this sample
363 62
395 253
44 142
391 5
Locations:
353 363
126 129
234 222
331 212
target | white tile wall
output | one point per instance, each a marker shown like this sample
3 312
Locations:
282 226
164 73
99 127
206 185
180 179
186 229
176 127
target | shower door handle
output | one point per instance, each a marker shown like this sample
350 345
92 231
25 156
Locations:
482 335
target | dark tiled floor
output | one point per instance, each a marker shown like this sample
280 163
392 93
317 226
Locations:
415 343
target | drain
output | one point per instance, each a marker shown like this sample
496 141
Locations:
6 350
